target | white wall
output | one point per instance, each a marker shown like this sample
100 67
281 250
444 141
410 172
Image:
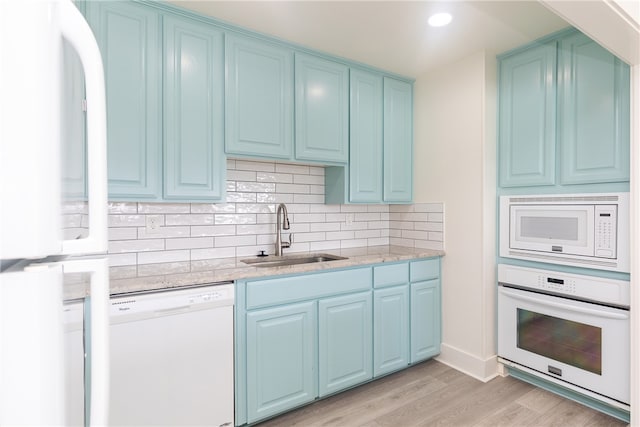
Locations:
455 164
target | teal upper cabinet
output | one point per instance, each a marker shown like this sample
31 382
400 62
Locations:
563 114
398 141
321 109
129 39
194 160
259 98
593 116
365 145
527 117
381 143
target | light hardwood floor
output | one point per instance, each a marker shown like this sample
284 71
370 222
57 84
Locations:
432 394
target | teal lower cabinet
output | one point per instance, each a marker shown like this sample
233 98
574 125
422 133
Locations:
425 320
301 337
281 344
344 342
391 329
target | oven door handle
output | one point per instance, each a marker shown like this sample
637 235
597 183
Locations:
600 313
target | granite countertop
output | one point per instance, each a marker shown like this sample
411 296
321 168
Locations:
173 275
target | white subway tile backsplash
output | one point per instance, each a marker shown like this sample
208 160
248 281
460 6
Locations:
202 235
189 219
117 260
120 246
199 254
324 226
213 208
353 243
255 187
124 233
292 188
212 230
294 169
122 208
235 241
283 178
254 166
324 245
308 198
163 208
162 257
235 219
190 243
239 175
126 220
308 179
233 197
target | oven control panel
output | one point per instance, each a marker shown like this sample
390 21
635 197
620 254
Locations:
581 287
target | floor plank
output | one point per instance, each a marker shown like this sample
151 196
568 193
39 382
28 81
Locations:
433 394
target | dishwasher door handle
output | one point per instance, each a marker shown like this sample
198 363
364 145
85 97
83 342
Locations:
173 310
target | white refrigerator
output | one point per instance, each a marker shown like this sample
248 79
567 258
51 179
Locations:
34 257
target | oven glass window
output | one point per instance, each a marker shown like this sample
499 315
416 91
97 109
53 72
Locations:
573 343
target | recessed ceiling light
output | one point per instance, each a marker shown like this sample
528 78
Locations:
439 19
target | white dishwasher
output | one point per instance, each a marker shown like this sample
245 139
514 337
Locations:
172 357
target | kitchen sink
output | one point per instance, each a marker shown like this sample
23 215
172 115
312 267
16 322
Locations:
278 261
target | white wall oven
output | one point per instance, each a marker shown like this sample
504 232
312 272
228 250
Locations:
583 230
569 329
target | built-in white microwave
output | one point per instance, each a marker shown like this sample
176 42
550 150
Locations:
583 230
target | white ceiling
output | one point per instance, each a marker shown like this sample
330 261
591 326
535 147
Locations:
392 35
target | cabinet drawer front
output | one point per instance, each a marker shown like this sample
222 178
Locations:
425 270
390 275
262 293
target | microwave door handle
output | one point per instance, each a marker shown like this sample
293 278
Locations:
77 32
563 306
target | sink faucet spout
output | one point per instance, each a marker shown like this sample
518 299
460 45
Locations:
282 223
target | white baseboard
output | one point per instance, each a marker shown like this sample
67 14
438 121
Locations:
481 369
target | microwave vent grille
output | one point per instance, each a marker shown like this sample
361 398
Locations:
555 199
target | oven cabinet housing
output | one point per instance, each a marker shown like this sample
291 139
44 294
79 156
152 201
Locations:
563 114
164 118
307 336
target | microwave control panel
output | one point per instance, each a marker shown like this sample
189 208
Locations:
605 231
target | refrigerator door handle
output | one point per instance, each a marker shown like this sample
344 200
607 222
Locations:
76 31
99 269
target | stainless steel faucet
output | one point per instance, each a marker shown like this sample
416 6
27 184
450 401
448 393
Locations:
284 225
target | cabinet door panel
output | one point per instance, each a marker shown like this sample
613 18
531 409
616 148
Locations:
259 102
322 109
593 117
528 117
390 329
398 141
281 349
365 143
425 320
129 40
194 161
344 342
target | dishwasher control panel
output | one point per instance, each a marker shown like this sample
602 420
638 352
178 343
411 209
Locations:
172 301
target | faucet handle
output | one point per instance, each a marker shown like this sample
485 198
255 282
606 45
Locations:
288 244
